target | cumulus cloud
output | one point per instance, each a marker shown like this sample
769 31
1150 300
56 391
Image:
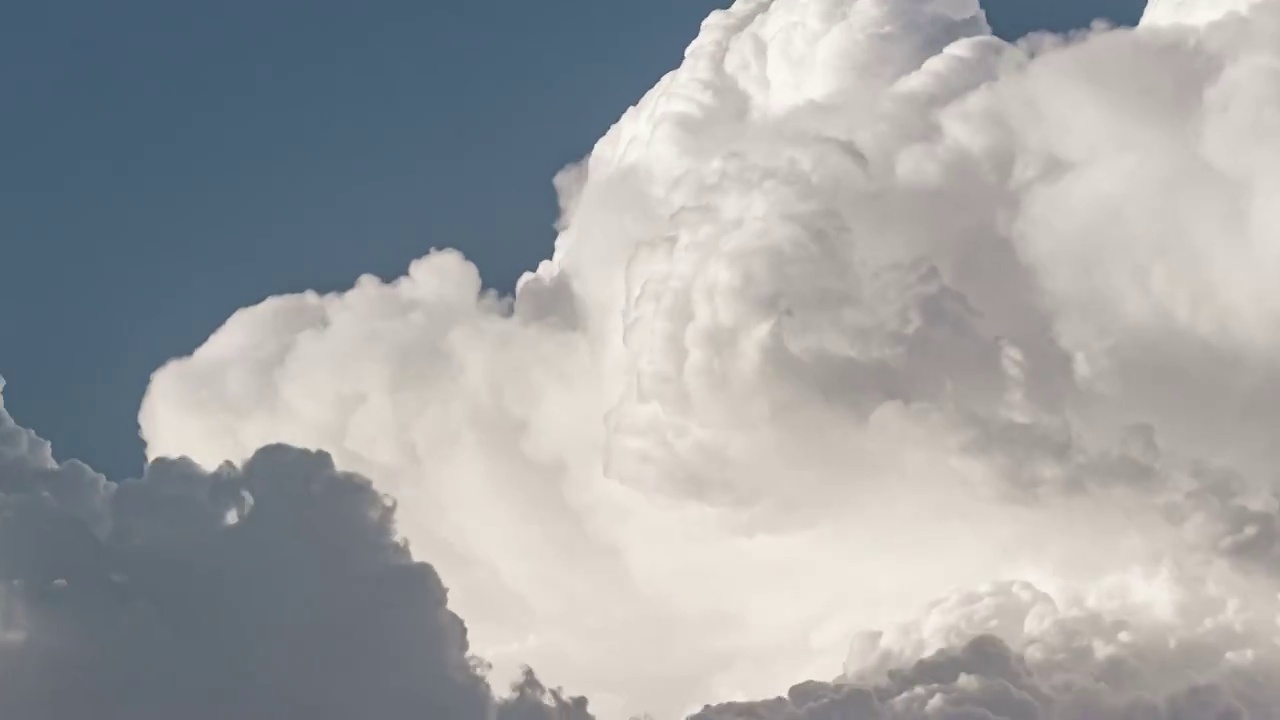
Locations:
1192 12
985 680
273 590
859 308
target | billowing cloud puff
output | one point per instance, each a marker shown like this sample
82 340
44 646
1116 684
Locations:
1192 12
273 590
858 308
985 680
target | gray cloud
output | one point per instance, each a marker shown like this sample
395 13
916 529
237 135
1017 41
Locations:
277 589
986 680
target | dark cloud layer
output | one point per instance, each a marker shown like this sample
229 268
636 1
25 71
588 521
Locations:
984 680
275 590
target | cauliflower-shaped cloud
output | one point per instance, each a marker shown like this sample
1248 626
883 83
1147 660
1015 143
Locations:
858 306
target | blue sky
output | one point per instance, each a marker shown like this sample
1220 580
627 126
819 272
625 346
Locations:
167 163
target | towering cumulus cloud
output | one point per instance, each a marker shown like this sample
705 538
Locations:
872 346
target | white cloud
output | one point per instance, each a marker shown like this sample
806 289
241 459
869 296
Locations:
1192 12
858 306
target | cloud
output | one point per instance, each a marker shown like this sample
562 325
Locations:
273 590
985 680
1010 651
1192 12
858 306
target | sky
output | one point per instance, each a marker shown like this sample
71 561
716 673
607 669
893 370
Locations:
166 164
